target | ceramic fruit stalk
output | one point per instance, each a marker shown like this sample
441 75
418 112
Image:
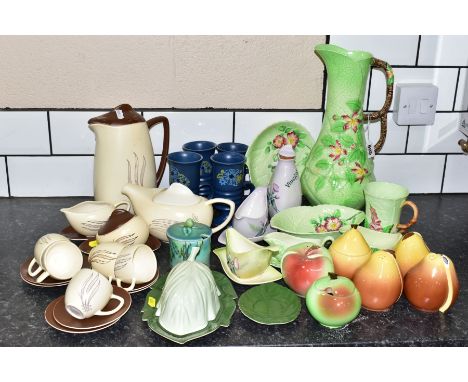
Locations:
349 252
338 166
432 284
410 251
124 153
333 301
379 281
284 190
304 263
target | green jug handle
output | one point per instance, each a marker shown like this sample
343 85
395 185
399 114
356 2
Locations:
382 113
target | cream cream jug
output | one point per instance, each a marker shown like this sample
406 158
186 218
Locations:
124 153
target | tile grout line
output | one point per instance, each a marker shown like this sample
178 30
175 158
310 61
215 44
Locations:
417 50
233 126
456 90
407 139
7 176
50 133
443 174
325 78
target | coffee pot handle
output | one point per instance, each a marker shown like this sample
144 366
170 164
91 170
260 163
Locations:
232 207
382 113
162 165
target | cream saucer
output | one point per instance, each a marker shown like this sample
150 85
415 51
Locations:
222 236
270 274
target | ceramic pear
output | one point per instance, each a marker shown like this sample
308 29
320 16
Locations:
349 252
432 284
160 207
333 301
304 263
410 251
379 281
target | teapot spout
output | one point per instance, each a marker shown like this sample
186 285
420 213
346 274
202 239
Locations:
140 197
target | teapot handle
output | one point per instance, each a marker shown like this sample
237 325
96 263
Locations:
382 113
162 165
232 207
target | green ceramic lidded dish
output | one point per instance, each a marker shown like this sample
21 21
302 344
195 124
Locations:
185 236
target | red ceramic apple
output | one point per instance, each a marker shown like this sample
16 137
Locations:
304 263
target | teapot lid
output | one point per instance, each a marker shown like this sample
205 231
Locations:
188 230
178 195
120 115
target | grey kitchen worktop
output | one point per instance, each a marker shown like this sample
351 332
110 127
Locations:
443 222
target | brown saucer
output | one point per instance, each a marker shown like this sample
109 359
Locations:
153 242
70 233
49 282
63 318
49 317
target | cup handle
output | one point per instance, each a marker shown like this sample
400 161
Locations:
30 267
127 204
128 289
413 220
115 310
232 207
42 277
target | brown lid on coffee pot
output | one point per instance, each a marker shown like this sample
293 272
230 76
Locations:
121 115
118 218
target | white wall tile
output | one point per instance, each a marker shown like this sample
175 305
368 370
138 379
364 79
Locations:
165 179
51 176
456 174
24 132
395 141
70 132
396 50
191 126
462 92
3 178
419 173
443 50
250 124
444 79
441 137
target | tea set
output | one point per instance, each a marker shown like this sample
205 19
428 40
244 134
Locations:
346 251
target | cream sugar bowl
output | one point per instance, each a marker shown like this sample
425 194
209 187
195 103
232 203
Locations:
55 256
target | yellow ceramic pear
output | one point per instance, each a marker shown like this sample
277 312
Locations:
410 251
349 252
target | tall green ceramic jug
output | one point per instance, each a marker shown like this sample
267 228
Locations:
338 166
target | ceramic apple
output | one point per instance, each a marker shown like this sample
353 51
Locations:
304 263
333 301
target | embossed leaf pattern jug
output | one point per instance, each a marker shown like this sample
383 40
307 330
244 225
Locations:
338 166
124 153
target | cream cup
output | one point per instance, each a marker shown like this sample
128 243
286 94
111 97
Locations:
102 258
61 260
88 293
39 250
134 231
136 264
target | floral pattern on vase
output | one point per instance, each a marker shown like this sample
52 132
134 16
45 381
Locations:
272 196
230 176
205 167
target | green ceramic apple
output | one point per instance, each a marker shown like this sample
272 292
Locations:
333 301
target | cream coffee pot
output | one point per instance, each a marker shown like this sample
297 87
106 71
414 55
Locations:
124 153
161 207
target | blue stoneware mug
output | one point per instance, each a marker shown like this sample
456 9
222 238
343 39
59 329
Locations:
184 167
236 147
206 149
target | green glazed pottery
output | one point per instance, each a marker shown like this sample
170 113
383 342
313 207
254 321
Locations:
333 301
316 222
262 154
223 318
338 166
270 304
378 240
384 202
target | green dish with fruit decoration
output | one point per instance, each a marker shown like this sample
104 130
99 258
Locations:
262 154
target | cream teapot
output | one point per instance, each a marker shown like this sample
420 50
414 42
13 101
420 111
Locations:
160 207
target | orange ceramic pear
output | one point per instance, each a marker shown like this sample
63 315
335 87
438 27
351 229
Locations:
432 284
410 250
349 252
379 281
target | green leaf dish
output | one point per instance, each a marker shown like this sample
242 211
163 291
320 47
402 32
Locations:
262 154
270 304
316 222
226 310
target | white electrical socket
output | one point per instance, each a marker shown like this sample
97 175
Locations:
463 126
